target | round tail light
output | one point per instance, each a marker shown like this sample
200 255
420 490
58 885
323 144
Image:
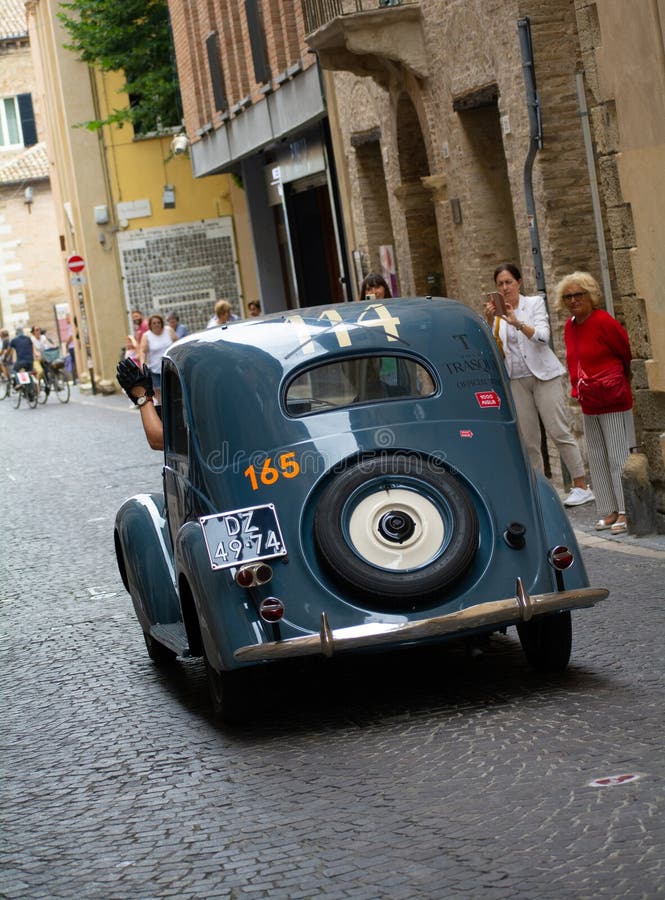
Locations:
245 577
262 574
561 558
253 575
271 609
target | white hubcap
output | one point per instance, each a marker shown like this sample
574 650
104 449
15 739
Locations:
416 550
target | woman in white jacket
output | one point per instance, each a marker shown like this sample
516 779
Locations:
523 335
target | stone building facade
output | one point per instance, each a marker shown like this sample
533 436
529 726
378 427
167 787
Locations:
32 282
432 128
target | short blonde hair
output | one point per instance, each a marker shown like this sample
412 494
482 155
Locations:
222 306
585 281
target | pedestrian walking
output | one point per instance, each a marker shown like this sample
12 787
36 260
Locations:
223 314
154 344
173 321
140 325
67 334
523 334
599 356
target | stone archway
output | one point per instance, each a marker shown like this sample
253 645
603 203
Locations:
416 201
373 225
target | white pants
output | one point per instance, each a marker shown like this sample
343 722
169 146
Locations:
534 398
608 445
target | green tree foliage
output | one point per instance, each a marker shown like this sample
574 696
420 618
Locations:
132 36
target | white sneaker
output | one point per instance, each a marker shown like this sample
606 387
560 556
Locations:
578 496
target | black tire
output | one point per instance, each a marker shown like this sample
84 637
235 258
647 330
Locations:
32 395
62 389
398 528
547 641
158 653
5 387
17 393
229 697
42 393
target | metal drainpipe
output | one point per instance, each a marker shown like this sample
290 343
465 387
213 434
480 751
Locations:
535 144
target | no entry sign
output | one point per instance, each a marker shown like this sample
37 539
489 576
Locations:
75 263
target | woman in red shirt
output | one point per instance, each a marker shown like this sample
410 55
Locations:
596 343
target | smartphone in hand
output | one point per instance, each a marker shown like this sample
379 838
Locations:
497 300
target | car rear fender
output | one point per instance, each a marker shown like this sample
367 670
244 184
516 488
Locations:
227 617
145 559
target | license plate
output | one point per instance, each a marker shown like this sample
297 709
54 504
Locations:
23 377
242 536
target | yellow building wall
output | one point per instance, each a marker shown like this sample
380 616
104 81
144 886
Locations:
139 168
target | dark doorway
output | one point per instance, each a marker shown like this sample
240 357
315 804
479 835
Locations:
313 244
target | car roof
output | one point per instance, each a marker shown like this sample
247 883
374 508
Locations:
303 335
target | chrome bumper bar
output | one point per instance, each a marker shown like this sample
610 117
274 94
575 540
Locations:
519 608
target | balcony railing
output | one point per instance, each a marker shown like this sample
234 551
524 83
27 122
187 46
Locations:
367 37
320 12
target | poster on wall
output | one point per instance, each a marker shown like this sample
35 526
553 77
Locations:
387 258
64 328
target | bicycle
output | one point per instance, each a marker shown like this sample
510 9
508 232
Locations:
24 387
53 377
5 385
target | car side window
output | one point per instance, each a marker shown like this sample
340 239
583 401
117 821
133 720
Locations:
358 380
175 428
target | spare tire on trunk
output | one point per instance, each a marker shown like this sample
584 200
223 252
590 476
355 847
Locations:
397 527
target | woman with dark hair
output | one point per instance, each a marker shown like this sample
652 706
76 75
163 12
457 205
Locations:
374 287
523 334
597 345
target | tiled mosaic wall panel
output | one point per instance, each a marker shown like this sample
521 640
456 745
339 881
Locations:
182 268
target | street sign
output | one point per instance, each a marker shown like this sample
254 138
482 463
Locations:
77 280
75 263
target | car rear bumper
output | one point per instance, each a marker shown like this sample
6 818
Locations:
511 611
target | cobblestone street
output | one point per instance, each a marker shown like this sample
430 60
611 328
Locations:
425 774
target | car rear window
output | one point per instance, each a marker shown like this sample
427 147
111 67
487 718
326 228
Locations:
365 379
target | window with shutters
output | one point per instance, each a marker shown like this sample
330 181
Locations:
257 40
216 72
17 122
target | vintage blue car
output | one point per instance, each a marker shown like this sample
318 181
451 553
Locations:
345 478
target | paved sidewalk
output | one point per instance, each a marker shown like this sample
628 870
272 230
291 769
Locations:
584 518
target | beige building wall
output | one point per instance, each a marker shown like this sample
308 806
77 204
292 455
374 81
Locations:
78 166
31 277
624 61
35 281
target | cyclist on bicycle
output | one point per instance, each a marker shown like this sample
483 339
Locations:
5 353
40 342
22 347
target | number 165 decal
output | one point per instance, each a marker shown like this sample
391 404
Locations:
267 473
